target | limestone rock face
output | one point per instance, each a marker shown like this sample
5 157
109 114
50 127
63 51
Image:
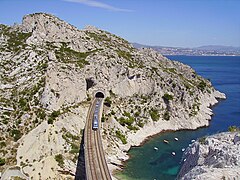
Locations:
50 72
214 157
62 89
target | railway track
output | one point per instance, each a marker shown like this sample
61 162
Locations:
95 162
101 154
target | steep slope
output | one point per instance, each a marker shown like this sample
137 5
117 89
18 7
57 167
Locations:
213 157
50 71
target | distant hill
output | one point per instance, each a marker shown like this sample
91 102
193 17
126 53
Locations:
209 50
219 48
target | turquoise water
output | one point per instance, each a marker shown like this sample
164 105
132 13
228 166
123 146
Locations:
146 163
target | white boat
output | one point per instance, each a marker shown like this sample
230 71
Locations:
173 153
166 141
155 148
193 141
183 149
176 139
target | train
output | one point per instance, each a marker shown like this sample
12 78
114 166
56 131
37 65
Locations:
95 121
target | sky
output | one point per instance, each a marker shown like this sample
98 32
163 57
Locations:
176 23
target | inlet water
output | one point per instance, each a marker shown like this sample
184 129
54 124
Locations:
146 163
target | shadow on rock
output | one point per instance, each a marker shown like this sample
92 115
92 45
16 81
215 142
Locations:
80 170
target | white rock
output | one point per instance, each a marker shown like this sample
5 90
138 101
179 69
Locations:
217 158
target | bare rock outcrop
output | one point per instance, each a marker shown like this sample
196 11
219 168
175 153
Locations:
213 157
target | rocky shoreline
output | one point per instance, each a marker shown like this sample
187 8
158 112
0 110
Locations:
212 157
151 130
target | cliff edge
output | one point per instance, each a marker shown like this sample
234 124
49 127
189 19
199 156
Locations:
213 157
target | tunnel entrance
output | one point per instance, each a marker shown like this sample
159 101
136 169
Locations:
99 95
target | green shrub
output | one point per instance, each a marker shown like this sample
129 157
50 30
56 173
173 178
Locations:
50 120
22 102
8 113
167 97
98 37
55 114
121 137
127 114
41 114
136 114
202 85
121 120
124 54
166 115
133 128
172 70
113 113
16 134
2 161
126 121
59 159
67 55
74 151
2 144
140 123
107 101
173 85
89 97
44 65
71 136
202 140
103 119
233 129
75 148
16 40
154 114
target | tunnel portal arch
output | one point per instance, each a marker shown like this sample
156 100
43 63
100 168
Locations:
99 94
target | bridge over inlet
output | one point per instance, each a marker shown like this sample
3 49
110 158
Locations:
95 162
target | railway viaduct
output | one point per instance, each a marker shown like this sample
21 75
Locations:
95 162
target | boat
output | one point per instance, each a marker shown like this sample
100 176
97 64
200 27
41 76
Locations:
183 149
166 141
155 148
176 139
173 153
193 141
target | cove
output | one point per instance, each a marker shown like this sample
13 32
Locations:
146 163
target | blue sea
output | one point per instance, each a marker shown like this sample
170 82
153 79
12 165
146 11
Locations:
146 163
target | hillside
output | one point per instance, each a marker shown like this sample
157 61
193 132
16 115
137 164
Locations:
49 73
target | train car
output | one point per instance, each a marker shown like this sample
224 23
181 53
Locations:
97 103
95 122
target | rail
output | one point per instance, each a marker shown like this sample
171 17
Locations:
95 162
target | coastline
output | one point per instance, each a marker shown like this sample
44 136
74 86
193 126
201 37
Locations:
201 55
121 158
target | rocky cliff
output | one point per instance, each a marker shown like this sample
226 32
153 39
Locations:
213 157
49 73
